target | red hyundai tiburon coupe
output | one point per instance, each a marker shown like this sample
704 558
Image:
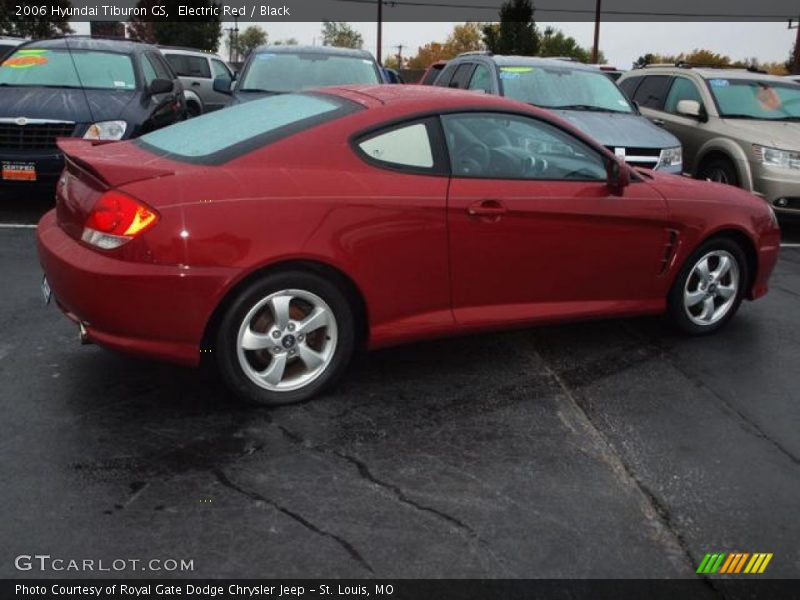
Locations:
279 235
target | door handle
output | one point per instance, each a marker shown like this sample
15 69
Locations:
195 83
487 208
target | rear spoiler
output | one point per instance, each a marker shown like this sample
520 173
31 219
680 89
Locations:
112 163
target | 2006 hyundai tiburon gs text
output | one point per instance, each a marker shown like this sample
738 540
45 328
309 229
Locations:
280 235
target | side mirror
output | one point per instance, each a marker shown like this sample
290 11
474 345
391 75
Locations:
223 84
619 176
690 108
160 86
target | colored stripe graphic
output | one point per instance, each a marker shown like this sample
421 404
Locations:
734 563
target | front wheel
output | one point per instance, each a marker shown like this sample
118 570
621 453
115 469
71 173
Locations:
709 288
285 338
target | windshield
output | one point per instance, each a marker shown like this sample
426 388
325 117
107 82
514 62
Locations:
274 72
556 87
754 99
55 68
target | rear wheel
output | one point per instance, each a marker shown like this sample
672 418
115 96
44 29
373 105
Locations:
709 288
285 338
193 110
719 170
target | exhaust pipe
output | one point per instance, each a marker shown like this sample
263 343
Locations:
83 335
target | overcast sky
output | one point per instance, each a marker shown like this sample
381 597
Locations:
622 43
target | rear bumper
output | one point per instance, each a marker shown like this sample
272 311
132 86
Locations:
153 311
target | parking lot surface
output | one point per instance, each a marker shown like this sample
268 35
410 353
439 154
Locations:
608 449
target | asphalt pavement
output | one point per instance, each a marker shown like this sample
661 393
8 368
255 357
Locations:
608 449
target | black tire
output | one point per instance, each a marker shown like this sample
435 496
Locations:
193 110
227 351
720 170
676 308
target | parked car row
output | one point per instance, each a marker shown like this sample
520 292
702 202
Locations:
157 247
737 126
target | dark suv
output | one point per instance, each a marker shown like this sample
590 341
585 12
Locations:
92 88
581 94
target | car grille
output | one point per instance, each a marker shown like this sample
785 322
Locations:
33 136
646 158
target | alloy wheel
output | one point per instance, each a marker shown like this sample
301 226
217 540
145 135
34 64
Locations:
711 288
287 340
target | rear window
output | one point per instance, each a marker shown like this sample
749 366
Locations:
223 135
282 72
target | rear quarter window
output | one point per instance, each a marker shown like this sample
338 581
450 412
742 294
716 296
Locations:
223 135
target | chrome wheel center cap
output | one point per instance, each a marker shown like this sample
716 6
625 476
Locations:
288 341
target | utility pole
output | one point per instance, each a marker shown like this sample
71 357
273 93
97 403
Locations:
233 37
400 56
796 58
380 31
596 47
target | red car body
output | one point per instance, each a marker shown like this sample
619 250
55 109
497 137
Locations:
407 244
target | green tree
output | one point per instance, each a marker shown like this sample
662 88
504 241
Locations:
555 43
338 33
248 40
516 33
287 42
37 27
202 33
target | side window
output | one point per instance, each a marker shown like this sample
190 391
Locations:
501 146
406 146
149 70
481 79
219 69
629 86
682 89
652 91
160 68
461 76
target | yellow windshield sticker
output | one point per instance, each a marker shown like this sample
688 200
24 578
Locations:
516 69
26 58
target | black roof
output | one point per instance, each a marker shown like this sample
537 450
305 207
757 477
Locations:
80 42
330 50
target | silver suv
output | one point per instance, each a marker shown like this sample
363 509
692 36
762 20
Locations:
737 126
581 94
198 70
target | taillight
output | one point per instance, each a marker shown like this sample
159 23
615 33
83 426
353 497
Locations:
115 219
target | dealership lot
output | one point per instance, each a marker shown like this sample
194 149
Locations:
611 449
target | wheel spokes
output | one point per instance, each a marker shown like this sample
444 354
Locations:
708 309
274 373
279 307
726 291
703 270
318 318
252 340
311 358
694 298
722 268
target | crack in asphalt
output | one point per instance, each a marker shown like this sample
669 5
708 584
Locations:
364 472
347 546
656 509
750 426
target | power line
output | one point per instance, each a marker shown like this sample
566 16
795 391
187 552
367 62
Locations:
581 11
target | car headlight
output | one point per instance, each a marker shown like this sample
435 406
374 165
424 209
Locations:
106 130
773 157
670 157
